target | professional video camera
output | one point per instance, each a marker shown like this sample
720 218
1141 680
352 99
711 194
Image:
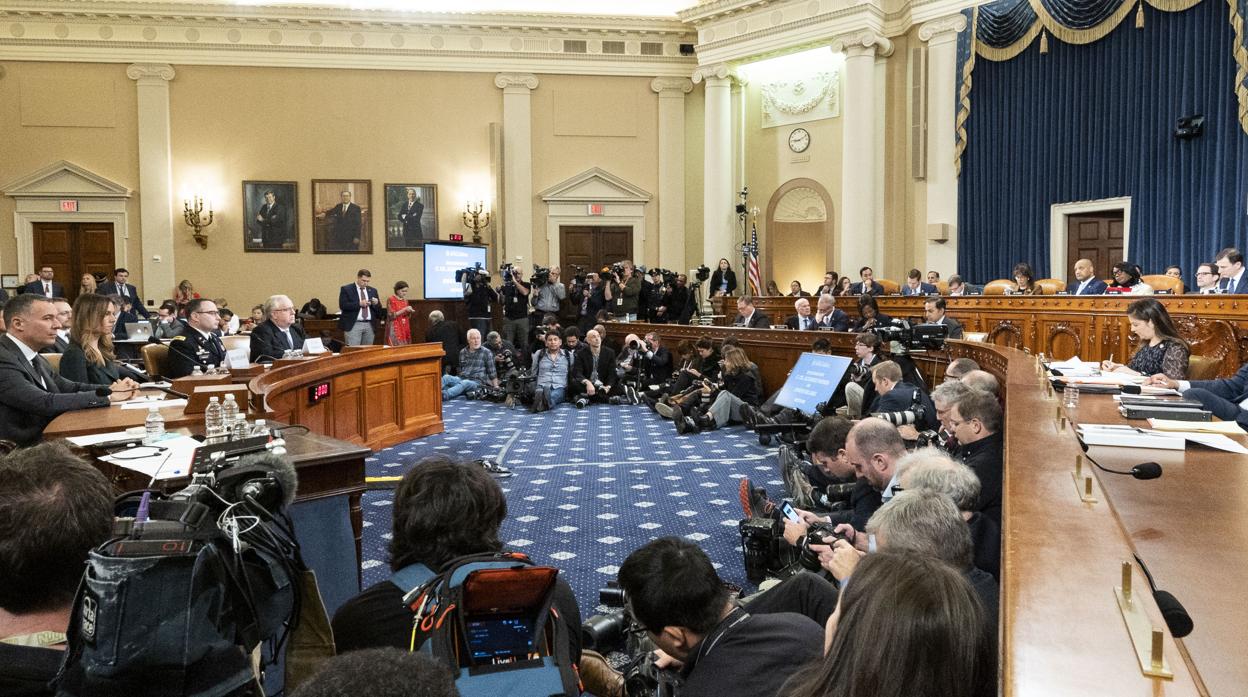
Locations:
669 276
617 630
578 274
616 269
518 388
507 270
471 274
191 582
701 274
920 337
540 277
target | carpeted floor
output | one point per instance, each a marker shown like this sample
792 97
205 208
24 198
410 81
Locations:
590 486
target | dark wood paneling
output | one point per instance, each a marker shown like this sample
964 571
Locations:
72 249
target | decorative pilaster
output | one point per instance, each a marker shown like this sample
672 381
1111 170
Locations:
671 91
860 245
941 36
155 177
517 206
719 219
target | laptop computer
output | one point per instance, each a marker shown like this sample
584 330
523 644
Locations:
138 331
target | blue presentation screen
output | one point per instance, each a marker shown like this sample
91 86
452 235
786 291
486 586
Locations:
814 379
441 262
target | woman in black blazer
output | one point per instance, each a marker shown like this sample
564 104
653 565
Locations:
724 280
89 357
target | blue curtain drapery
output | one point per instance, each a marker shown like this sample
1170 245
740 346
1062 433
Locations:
1087 122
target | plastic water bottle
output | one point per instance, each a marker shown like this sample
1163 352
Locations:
229 413
154 426
1071 397
214 419
261 428
197 371
241 429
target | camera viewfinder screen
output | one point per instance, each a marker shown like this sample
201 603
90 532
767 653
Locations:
499 638
814 379
441 263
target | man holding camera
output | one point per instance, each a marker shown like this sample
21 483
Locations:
514 295
626 289
552 368
900 401
591 296
719 647
479 296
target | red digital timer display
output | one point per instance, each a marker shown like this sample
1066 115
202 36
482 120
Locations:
318 392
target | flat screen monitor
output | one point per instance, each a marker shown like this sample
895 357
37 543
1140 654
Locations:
441 263
813 381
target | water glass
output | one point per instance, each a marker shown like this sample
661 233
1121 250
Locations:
1070 397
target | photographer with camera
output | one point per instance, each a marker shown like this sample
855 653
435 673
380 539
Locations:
506 358
54 509
703 365
514 295
552 368
548 292
720 648
826 483
722 402
590 295
943 398
857 379
677 306
593 375
931 468
626 287
476 369
480 296
901 402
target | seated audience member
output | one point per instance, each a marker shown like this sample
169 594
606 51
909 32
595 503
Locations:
721 404
248 324
748 316
721 649
869 315
773 290
915 285
803 320
1206 280
894 395
1227 398
1230 263
126 315
382 672
54 509
476 368
227 323
31 393
844 287
1086 282
443 510
167 323
866 356
829 316
1127 281
932 468
593 375
982 380
1162 350
795 290
552 369
934 313
959 367
197 345
830 282
866 286
65 317
446 333
1025 280
907 620
278 333
313 309
90 358
976 422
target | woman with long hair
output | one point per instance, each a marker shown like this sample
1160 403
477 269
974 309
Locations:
88 284
183 295
90 358
773 290
795 290
904 625
400 309
844 286
1127 280
1025 280
724 280
1161 350
739 385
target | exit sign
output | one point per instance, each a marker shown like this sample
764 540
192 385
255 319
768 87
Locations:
455 237
69 206
597 209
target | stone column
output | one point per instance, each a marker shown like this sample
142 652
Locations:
860 245
671 93
720 235
941 36
517 206
156 202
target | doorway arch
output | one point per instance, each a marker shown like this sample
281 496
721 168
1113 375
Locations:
799 222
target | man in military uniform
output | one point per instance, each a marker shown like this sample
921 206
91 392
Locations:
197 344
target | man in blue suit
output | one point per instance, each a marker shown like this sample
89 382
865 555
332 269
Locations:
1231 268
1227 398
916 286
1086 282
359 307
118 286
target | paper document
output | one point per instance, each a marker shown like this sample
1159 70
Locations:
84 441
149 403
1228 428
1073 364
169 459
1213 440
1120 436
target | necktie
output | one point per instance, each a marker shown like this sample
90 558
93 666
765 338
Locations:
44 371
125 293
364 304
805 323
47 289
289 343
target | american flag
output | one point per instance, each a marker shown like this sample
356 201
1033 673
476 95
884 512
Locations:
756 280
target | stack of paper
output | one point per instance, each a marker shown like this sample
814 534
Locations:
169 459
1120 436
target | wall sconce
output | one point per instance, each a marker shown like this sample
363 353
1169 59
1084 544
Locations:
476 218
193 213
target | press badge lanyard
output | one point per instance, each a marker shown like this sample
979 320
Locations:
709 644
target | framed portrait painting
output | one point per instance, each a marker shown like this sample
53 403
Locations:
342 216
270 218
411 215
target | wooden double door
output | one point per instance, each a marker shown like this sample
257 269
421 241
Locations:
593 246
1097 237
72 249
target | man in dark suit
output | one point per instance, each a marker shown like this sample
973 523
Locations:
119 286
803 320
446 333
1207 280
1086 282
278 333
915 285
359 308
346 225
1227 398
593 376
44 285
64 317
934 313
270 228
749 317
867 285
829 316
409 215
1231 268
31 393
893 395
197 345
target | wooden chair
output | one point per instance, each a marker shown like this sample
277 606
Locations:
1202 367
998 287
942 287
54 360
155 359
1051 286
1163 283
890 287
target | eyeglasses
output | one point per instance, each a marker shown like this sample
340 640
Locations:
283 309
1205 273
206 312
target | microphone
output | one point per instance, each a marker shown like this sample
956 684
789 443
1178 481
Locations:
1172 611
1144 470
1130 389
267 477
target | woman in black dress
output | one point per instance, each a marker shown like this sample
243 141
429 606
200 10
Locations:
724 280
1161 350
89 357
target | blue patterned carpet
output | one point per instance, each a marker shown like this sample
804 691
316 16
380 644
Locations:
590 486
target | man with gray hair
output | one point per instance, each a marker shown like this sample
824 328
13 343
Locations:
982 380
476 369
445 333
278 333
932 468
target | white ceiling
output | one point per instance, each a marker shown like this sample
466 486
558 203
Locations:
618 8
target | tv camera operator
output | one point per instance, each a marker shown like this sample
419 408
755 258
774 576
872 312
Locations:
514 295
548 293
671 300
479 295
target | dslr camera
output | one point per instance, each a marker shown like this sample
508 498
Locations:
914 414
617 630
